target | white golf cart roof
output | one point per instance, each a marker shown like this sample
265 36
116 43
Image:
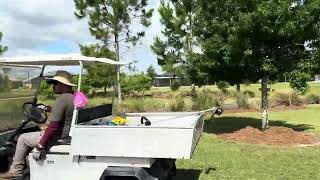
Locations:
57 60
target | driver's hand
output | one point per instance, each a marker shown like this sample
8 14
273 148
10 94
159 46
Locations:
40 154
49 109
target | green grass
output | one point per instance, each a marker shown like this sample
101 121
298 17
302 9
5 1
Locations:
17 93
217 159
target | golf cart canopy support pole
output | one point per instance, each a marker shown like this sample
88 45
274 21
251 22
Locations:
75 110
80 76
35 99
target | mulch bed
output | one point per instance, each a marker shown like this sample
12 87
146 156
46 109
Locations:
272 136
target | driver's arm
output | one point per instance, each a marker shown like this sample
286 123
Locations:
54 124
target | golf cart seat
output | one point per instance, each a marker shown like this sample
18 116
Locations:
88 114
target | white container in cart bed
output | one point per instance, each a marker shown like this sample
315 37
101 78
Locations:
171 135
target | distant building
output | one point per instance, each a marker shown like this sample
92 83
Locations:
32 83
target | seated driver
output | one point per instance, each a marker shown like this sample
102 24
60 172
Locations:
58 127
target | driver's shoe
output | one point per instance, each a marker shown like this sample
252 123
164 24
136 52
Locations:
9 175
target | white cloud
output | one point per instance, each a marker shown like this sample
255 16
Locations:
30 27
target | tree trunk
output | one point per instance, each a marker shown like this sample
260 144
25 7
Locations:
118 87
190 38
238 87
193 90
264 103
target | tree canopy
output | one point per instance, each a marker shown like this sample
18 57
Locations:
99 76
133 84
151 72
258 40
110 21
2 48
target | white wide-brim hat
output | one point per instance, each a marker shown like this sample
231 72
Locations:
63 77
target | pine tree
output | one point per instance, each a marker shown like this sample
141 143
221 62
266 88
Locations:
99 76
111 22
177 17
2 48
151 72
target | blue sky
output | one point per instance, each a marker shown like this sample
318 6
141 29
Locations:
36 27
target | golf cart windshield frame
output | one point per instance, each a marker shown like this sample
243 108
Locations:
59 60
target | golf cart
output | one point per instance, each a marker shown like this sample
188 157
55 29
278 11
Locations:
145 148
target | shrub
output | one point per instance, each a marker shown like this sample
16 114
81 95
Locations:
138 106
5 84
142 105
287 99
312 99
249 93
204 101
178 105
133 105
242 99
133 84
175 85
46 90
223 86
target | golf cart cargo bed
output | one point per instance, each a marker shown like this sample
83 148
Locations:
170 135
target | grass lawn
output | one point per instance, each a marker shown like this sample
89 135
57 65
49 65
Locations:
17 93
217 159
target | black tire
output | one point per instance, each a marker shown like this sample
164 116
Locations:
163 169
5 159
4 164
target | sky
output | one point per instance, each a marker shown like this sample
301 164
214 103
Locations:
39 27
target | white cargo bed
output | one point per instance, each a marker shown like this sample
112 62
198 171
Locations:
170 135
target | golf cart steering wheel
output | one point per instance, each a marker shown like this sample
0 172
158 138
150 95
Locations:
36 113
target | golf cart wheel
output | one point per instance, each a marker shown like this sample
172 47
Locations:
5 163
164 169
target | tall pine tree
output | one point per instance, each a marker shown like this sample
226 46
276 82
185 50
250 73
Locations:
2 48
177 17
111 22
151 72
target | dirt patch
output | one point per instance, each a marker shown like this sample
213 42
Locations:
272 136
